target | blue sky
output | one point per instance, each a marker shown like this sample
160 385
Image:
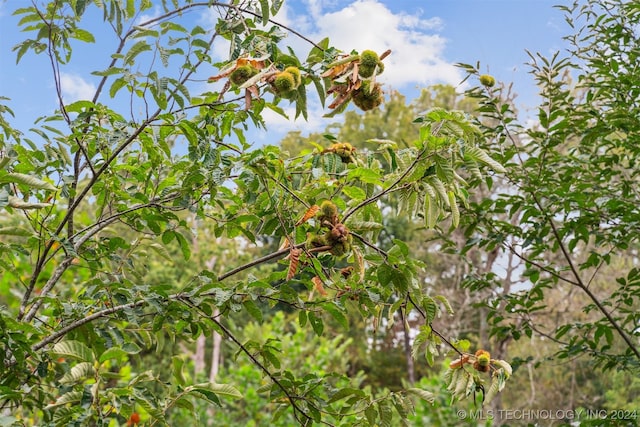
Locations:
426 37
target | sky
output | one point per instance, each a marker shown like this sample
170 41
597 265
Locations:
426 37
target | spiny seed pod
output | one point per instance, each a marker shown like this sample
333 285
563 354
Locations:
487 80
368 62
328 212
284 82
295 72
369 58
340 248
380 67
367 97
242 74
315 241
344 150
483 361
338 233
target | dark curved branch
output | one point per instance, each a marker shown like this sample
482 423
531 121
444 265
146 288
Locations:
297 410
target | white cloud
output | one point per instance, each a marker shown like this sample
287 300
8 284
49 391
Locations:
75 88
156 12
416 52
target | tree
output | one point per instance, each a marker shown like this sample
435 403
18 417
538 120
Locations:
131 172
567 207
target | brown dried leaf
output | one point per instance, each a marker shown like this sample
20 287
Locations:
294 259
285 244
308 215
318 286
247 99
340 100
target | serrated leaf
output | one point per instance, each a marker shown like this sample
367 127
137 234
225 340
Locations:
455 213
355 193
430 308
18 203
161 250
479 155
70 397
15 231
431 212
177 363
422 394
80 371
27 180
74 350
491 392
371 414
225 390
386 415
264 9
508 370
344 392
316 323
461 383
253 309
83 35
337 314
112 353
453 378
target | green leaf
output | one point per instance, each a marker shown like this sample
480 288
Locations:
386 414
177 363
444 302
224 390
15 231
116 86
455 213
431 212
355 193
17 203
506 367
345 392
131 8
337 314
422 394
253 309
112 353
73 349
185 247
385 274
80 371
28 180
70 397
316 323
264 9
83 35
479 155
136 49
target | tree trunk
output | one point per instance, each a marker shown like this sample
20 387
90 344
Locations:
198 358
411 374
217 353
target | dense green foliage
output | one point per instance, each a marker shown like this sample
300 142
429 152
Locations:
103 193
140 223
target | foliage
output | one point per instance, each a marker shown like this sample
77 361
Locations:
568 206
152 156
